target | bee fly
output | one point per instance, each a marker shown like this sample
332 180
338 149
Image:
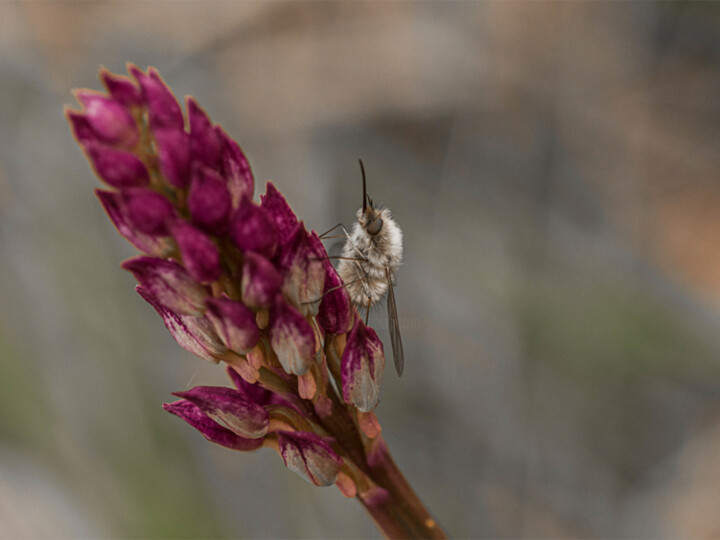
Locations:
372 252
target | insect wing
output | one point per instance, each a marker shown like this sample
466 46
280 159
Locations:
394 327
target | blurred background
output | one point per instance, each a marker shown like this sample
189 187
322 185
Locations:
555 169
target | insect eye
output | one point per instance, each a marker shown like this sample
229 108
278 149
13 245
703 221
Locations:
374 226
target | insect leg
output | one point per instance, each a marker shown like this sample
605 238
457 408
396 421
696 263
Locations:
323 235
337 257
333 289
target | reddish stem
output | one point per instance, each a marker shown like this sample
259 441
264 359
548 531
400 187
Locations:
396 509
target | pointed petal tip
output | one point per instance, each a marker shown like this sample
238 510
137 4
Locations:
229 408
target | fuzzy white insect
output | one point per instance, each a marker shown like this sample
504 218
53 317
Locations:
372 253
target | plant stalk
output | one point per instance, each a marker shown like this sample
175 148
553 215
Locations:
394 506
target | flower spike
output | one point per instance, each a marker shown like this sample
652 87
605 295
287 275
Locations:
246 284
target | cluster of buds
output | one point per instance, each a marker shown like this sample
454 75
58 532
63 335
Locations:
244 283
235 282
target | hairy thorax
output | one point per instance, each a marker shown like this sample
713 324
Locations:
369 260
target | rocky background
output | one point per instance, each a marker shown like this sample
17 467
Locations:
555 169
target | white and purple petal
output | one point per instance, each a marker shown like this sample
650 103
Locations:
200 255
205 144
260 282
279 211
148 210
112 123
234 323
291 337
170 283
116 208
362 365
194 334
310 457
303 272
235 168
229 408
251 229
209 200
335 310
121 89
117 168
173 147
163 109
210 429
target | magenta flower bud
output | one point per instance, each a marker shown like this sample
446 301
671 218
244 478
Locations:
194 334
291 337
114 204
236 168
174 156
200 255
252 230
169 283
279 211
303 272
117 168
113 124
148 210
310 457
210 429
209 201
122 89
261 282
81 128
362 365
335 311
163 109
234 323
205 144
230 409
